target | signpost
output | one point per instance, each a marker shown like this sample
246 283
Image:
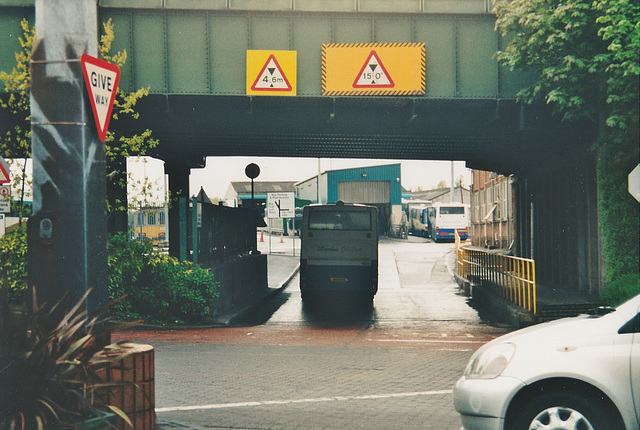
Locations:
5 171
382 69
281 205
102 80
5 199
271 73
634 183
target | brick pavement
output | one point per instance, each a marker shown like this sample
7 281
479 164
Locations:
306 387
301 377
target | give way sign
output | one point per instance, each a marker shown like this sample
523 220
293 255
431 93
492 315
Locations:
102 80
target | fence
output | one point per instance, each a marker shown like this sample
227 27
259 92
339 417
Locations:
222 232
512 278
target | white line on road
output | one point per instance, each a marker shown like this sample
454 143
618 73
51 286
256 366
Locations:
290 402
425 341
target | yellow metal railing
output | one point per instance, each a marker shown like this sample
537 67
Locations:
512 278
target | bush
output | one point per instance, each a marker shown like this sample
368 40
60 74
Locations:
13 264
159 288
622 288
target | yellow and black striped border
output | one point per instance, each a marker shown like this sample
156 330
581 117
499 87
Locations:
418 89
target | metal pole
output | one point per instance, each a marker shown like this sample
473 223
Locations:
67 232
452 184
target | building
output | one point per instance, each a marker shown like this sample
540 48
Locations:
443 195
378 186
149 222
239 193
492 210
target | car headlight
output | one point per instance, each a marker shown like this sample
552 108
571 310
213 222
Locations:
491 362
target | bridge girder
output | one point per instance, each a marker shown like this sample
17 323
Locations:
488 134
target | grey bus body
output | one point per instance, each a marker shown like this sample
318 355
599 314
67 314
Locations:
339 250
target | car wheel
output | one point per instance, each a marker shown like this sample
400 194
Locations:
562 410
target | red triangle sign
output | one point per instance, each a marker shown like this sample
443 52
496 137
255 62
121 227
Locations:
101 79
271 77
373 74
5 178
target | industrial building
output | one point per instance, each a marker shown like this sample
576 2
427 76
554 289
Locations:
378 186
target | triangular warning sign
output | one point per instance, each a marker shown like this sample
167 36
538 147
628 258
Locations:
373 74
4 172
101 79
271 77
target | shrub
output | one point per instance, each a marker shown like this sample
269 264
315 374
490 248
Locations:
13 264
622 288
159 288
52 362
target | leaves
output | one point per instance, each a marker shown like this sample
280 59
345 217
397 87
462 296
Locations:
13 264
50 363
16 142
587 57
585 52
159 288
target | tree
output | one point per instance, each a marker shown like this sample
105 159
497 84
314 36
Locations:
16 143
585 57
119 147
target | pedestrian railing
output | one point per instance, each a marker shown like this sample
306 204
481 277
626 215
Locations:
512 278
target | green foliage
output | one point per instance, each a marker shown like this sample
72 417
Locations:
586 54
622 288
13 264
619 211
159 288
51 360
119 147
16 142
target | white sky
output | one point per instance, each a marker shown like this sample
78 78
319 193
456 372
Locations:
221 171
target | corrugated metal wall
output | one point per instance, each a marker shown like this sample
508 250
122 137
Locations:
364 192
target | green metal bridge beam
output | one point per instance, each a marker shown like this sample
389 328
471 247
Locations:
176 48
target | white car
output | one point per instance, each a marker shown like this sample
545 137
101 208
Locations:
575 373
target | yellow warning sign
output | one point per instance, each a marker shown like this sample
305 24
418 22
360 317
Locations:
271 73
351 69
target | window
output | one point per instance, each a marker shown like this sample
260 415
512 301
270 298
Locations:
151 219
333 220
452 210
162 218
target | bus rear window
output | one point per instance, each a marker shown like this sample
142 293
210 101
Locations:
334 220
448 210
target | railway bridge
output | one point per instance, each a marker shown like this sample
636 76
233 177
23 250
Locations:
404 79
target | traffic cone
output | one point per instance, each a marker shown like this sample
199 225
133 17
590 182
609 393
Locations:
281 240
261 235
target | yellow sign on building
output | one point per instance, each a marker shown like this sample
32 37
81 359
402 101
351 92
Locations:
352 69
272 73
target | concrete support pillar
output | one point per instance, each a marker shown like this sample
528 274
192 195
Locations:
67 231
179 191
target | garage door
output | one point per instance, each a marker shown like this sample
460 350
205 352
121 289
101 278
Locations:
369 192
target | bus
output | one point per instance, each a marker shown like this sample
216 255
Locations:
339 251
419 221
445 218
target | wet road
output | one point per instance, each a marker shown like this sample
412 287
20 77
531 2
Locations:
340 366
416 288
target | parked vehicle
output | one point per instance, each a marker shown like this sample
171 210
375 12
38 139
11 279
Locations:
445 219
575 373
418 221
339 251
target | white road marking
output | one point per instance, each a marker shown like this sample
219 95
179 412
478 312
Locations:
295 401
425 341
